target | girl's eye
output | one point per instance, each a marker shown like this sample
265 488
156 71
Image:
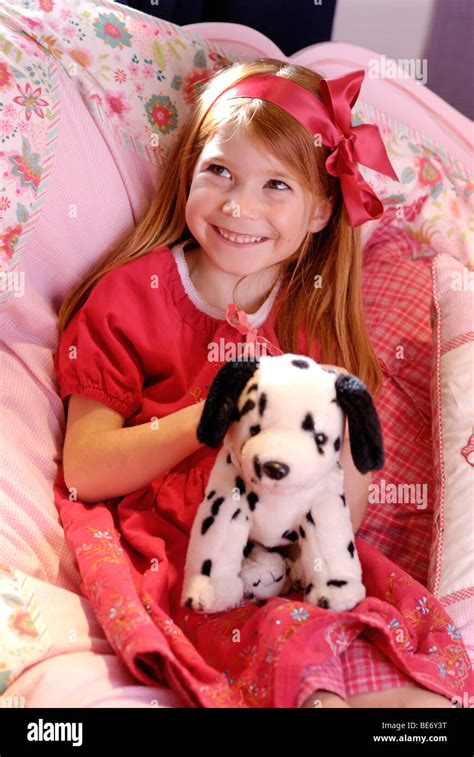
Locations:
277 181
215 165
216 169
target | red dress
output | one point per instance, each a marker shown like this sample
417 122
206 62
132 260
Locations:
140 345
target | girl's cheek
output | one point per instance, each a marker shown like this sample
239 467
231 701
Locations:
207 193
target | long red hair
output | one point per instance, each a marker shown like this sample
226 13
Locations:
333 313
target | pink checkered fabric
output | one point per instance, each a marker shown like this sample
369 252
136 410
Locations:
397 296
359 669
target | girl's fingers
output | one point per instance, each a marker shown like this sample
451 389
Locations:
336 368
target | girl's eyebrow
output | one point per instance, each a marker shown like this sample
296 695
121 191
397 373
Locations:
221 156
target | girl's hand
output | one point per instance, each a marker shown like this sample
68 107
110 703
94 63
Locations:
336 368
199 408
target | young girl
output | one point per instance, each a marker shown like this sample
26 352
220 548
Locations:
262 189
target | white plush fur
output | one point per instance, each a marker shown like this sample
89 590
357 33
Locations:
308 497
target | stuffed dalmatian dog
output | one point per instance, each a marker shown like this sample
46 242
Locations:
277 482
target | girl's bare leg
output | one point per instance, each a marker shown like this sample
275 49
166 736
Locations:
404 696
324 699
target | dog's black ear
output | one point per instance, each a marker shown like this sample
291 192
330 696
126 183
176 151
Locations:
220 407
365 432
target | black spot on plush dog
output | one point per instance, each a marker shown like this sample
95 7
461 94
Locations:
277 483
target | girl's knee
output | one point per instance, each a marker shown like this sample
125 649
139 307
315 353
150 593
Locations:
416 696
324 699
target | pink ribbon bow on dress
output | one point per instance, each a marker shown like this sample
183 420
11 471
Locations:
252 337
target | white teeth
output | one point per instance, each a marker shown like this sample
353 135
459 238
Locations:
239 238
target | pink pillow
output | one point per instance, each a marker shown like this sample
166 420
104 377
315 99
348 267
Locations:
77 174
91 126
451 574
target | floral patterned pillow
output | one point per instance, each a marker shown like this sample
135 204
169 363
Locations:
25 637
135 73
431 209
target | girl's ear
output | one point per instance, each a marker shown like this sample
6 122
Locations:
220 407
365 433
322 214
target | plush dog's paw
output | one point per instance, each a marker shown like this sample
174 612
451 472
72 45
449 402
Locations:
204 594
264 574
336 597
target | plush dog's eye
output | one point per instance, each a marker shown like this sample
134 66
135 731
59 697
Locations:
254 430
321 438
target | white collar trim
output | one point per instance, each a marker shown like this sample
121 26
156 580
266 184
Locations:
255 319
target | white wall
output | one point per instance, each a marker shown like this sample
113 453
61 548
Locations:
396 28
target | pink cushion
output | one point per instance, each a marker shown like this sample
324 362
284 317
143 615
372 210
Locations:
451 576
89 129
95 183
64 660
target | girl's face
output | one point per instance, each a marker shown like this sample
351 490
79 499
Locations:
239 189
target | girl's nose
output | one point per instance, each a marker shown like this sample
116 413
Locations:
237 206
230 207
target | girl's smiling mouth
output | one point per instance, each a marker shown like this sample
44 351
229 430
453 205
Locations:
238 240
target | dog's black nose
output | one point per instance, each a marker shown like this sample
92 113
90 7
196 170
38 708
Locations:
274 469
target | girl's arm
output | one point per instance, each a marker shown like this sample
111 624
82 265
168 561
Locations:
356 485
103 460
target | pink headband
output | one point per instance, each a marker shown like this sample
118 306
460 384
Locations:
331 118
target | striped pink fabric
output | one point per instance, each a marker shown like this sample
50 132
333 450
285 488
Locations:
451 566
397 297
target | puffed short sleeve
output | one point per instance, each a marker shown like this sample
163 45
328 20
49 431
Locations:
96 356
